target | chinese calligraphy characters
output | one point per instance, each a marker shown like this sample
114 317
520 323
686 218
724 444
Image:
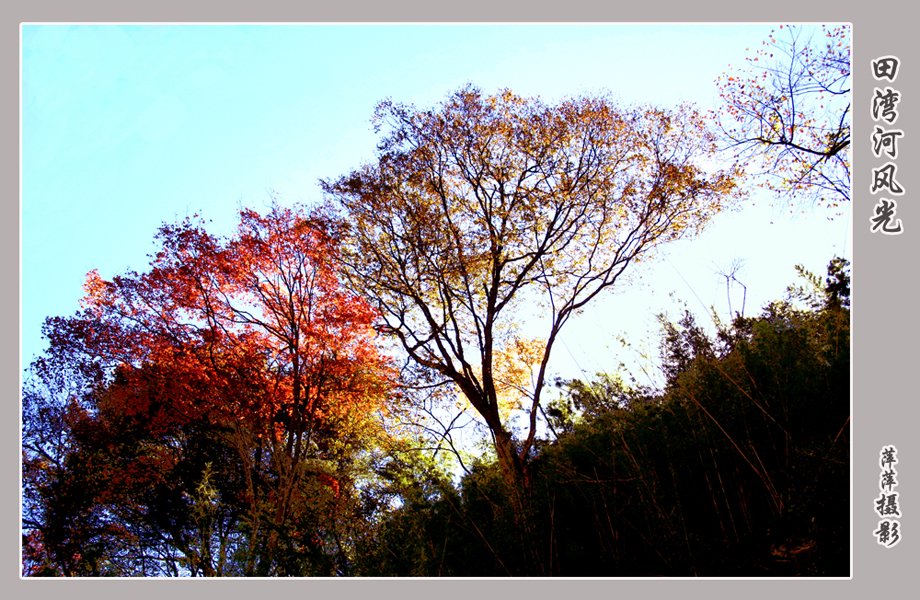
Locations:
887 505
885 143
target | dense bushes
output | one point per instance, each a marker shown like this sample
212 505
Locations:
739 467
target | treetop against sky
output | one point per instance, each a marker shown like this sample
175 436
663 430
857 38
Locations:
127 127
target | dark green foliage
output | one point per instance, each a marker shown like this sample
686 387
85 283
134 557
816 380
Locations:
739 467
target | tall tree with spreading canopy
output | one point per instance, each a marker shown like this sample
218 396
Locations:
231 386
788 110
487 203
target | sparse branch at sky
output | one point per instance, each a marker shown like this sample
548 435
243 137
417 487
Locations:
788 110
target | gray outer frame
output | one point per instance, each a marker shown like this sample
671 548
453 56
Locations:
884 324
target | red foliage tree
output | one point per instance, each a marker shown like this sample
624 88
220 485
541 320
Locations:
249 338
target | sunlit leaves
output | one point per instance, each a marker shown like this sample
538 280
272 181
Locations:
265 304
485 202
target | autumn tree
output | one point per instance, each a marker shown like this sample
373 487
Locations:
237 377
788 111
488 204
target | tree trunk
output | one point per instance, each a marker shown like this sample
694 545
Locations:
517 476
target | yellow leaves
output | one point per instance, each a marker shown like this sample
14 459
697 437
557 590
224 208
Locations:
513 369
485 200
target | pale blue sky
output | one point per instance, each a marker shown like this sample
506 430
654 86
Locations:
124 127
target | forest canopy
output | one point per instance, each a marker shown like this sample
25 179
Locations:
288 399
738 466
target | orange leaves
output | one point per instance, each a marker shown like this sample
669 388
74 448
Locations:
246 351
95 289
256 329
